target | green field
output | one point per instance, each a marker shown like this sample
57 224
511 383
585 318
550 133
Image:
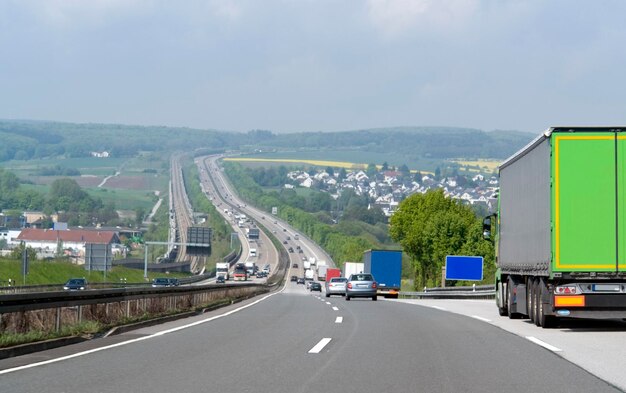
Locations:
87 166
125 199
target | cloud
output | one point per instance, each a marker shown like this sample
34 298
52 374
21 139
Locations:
394 18
71 14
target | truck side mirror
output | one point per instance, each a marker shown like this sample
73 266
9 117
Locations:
487 228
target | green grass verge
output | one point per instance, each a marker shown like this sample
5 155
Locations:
44 272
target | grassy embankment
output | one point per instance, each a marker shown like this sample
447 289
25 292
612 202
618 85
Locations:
57 272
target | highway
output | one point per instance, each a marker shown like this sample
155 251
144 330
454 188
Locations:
293 340
274 345
229 199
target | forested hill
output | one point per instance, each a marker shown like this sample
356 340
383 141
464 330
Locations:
429 142
25 140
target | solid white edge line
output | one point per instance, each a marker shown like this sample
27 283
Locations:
339 320
161 333
543 344
438 308
481 318
320 345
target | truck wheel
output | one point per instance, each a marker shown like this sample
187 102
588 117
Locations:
374 298
328 295
532 310
347 297
512 315
500 301
545 321
529 299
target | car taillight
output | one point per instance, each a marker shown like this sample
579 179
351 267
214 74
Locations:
373 285
350 285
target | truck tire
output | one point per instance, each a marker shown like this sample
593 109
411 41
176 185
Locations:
543 320
500 300
509 298
374 298
537 301
328 295
530 300
347 297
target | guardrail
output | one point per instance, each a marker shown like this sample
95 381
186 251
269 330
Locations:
473 292
21 313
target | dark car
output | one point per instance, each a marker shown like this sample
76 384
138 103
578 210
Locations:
295 266
75 284
220 280
284 241
294 278
361 285
291 249
300 251
300 280
316 286
165 282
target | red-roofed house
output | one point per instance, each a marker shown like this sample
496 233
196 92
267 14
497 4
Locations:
48 239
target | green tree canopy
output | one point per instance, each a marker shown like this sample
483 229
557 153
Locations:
430 226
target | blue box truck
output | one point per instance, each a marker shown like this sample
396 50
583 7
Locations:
386 267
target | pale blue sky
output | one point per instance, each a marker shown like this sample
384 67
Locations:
315 65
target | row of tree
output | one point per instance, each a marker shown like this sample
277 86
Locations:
76 206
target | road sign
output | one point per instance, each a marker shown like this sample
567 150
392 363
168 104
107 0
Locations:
460 267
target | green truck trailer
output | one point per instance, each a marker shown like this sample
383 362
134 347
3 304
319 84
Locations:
560 230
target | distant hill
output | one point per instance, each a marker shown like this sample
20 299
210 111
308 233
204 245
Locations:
39 139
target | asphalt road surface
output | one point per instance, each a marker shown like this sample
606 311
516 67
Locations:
294 341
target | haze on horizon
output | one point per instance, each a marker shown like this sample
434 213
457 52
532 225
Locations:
314 65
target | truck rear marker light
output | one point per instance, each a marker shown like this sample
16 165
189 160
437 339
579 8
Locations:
565 290
569 301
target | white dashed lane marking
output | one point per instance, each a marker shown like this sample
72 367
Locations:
320 345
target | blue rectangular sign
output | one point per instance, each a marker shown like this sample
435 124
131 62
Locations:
464 268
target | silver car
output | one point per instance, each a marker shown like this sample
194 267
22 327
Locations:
361 285
336 286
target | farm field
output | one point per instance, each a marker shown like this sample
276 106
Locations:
349 158
484 165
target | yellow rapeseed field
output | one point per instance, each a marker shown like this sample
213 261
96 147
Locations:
334 164
491 165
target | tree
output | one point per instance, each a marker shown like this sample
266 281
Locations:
140 213
330 170
385 166
418 177
342 174
430 226
371 170
18 251
437 173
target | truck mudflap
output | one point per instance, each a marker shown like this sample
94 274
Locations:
589 305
